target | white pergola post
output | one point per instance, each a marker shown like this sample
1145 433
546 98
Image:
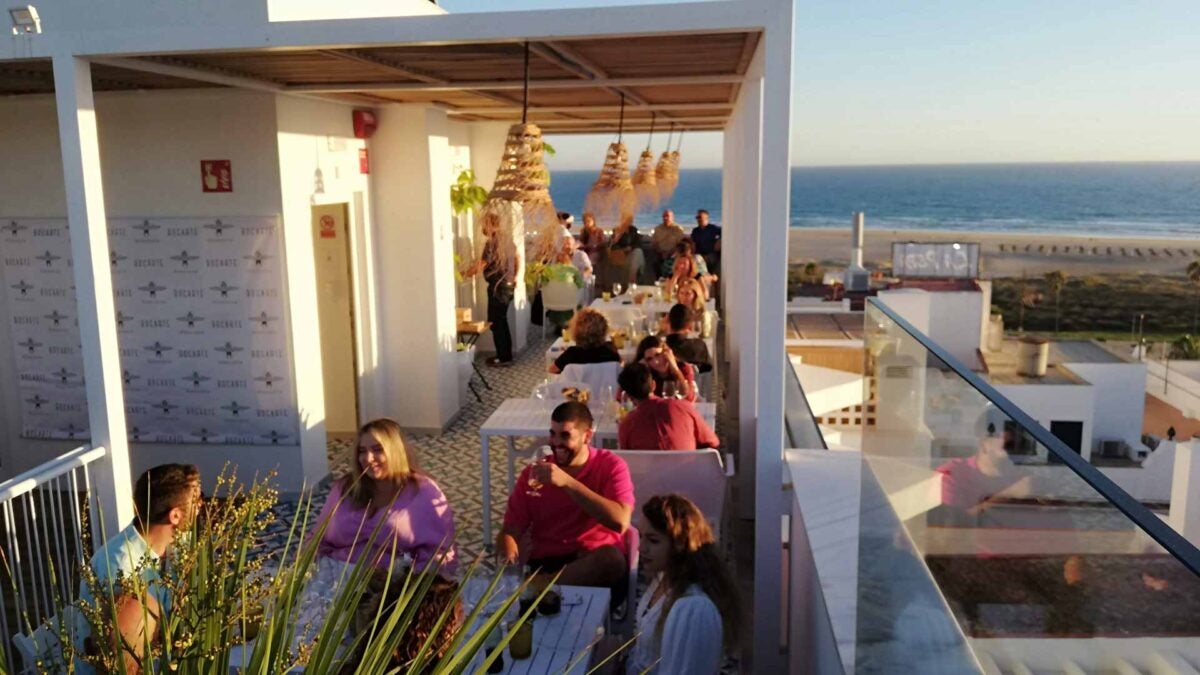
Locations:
774 209
93 288
748 322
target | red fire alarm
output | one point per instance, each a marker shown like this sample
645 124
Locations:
364 161
364 123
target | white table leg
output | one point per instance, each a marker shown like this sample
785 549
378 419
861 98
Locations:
512 463
486 464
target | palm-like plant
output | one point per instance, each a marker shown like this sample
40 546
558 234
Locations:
1055 281
1186 348
1193 275
222 596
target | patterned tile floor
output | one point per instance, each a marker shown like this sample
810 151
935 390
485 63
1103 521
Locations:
452 458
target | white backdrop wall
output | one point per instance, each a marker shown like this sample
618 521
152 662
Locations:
1120 399
1048 403
151 147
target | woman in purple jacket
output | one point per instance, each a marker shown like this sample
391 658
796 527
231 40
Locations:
388 492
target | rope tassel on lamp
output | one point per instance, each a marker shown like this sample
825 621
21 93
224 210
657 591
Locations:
645 182
667 171
612 197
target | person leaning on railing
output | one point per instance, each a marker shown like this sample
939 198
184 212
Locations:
166 500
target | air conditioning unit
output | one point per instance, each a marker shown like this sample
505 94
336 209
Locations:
1112 448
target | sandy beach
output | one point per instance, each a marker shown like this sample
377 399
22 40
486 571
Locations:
1009 255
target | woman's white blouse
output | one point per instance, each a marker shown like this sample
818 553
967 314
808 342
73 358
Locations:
691 641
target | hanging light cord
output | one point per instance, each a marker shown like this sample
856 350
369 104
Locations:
525 99
670 132
653 117
680 146
621 120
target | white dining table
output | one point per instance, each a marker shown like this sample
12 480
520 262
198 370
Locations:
628 352
561 643
524 417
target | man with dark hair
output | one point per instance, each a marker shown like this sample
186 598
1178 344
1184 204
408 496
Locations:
165 502
707 238
659 423
575 506
686 347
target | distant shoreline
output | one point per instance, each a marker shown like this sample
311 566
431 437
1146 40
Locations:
831 246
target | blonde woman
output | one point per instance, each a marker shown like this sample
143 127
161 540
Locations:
691 293
589 332
388 490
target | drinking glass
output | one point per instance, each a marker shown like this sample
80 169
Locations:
541 392
542 454
633 289
617 288
606 296
670 389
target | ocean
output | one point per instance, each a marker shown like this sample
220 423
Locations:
1117 199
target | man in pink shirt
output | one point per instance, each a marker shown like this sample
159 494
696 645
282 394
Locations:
574 509
659 423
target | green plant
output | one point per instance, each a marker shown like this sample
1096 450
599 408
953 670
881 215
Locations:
465 195
1186 347
221 590
538 274
1193 275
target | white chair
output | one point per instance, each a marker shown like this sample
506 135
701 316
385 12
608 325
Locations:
596 376
699 475
558 296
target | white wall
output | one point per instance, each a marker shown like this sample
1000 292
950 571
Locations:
314 135
151 146
1056 402
1120 399
952 319
414 258
1181 389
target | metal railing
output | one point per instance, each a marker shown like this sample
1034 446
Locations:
798 421
1162 533
43 513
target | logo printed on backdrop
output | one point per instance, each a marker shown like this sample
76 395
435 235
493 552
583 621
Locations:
37 401
275 437
30 344
184 259
152 289
48 258
255 390
147 228
218 228
72 431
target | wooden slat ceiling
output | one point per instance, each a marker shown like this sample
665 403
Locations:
472 81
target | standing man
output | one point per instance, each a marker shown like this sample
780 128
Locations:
574 508
499 266
663 242
707 238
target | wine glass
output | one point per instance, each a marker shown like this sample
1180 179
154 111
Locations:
542 454
670 389
541 392
617 288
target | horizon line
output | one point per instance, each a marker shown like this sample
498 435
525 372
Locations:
949 164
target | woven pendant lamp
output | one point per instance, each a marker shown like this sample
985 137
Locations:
519 201
611 198
645 182
667 172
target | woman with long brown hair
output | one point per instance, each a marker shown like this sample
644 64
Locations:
387 490
690 615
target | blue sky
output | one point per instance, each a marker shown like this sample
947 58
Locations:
904 82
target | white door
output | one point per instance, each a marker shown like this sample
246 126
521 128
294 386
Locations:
335 307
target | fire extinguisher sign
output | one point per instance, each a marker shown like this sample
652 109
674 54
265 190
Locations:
216 175
328 228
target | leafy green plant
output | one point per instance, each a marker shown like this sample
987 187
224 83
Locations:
1186 347
224 593
538 274
1055 281
1193 275
465 195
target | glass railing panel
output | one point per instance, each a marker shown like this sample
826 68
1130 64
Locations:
1022 538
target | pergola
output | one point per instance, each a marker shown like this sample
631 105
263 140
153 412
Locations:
704 66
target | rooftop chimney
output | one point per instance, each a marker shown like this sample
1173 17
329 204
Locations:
856 277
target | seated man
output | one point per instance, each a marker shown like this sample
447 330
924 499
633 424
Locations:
574 508
659 423
690 349
165 501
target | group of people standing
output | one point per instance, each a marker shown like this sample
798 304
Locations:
690 264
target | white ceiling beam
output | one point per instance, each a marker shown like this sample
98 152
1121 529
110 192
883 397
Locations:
192 73
509 85
716 16
717 119
652 107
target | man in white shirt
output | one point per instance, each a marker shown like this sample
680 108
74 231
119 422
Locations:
166 500
663 242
